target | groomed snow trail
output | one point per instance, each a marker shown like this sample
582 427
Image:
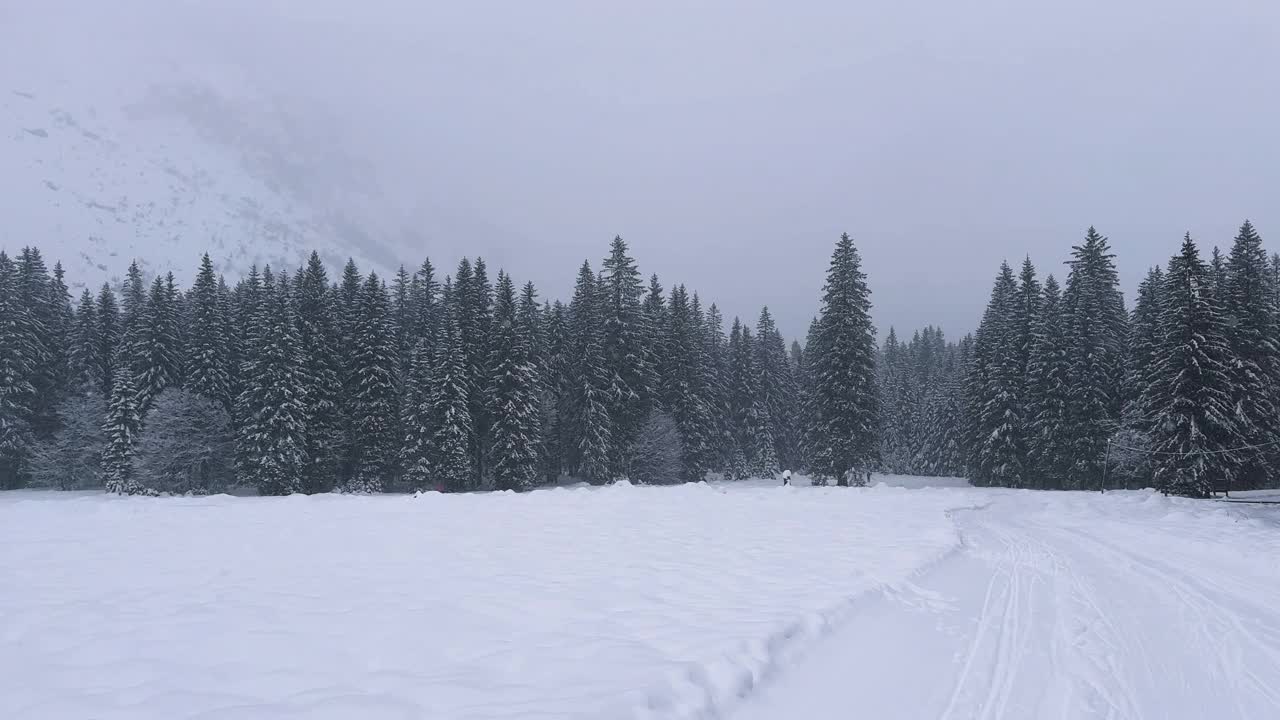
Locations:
1061 605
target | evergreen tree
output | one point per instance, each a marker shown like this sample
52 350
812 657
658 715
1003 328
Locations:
156 350
86 364
122 426
208 357
589 427
625 352
777 388
108 338
556 387
450 457
317 330
417 423
375 390
20 355
1048 376
995 388
658 451
514 398
270 412
1192 390
717 391
685 386
45 309
1253 335
132 316
845 399
1096 329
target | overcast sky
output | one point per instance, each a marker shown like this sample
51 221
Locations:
732 142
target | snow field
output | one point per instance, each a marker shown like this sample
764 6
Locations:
667 602
1127 605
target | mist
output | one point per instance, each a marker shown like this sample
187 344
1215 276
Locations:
729 143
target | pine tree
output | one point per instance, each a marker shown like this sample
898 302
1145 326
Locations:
375 390
132 317
1048 377
845 400
625 352
270 412
514 396
122 426
1252 317
156 350
416 421
590 432
1192 391
20 355
998 451
86 363
1096 329
685 391
37 293
718 388
109 351
556 387
777 388
317 329
425 300
450 457
208 357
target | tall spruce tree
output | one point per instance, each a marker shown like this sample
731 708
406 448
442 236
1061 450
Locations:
590 430
317 327
417 424
375 390
157 352
450 456
1096 329
208 356
777 388
1048 377
122 426
86 362
625 352
999 451
20 355
109 330
846 402
271 413
513 394
1252 317
1193 439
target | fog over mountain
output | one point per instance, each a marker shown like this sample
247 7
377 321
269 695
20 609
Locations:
729 142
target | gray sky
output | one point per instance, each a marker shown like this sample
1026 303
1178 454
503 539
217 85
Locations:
731 142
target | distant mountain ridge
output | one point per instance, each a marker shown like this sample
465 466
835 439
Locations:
174 170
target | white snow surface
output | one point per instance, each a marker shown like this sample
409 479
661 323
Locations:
722 600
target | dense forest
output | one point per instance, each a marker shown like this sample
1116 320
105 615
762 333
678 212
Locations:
1062 387
298 382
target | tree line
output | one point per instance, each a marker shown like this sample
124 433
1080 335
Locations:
296 383
1064 388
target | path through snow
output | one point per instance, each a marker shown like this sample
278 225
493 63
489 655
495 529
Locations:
1062 606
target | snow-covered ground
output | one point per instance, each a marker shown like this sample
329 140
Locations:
748 601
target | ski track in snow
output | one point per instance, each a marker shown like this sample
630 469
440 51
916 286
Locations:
1064 605
745 601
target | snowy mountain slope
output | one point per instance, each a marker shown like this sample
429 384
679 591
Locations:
165 168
